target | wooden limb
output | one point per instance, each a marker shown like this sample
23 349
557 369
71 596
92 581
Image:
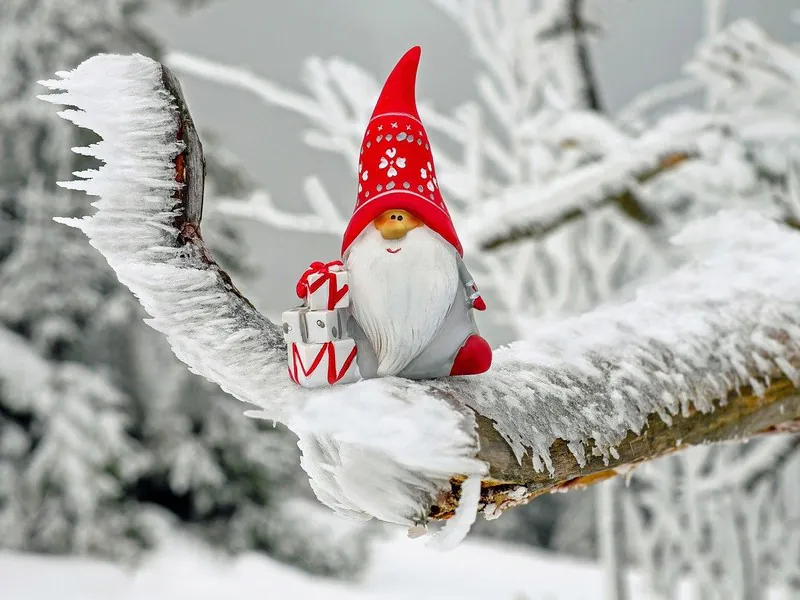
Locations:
510 483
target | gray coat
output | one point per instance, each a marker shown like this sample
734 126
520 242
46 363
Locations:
436 360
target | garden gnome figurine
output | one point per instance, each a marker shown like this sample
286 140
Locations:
410 292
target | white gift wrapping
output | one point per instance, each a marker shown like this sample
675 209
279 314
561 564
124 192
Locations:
294 325
328 291
324 325
313 326
319 365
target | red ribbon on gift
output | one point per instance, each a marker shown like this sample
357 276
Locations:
319 268
334 374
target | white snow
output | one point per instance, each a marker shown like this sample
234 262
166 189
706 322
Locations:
216 333
400 569
383 454
457 527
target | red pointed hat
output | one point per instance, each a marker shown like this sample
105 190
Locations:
396 170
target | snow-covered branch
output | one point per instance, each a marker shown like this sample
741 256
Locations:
245 80
529 211
748 66
755 85
522 45
615 386
568 27
338 104
260 207
656 97
744 414
148 222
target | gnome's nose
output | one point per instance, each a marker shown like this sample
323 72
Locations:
393 230
394 224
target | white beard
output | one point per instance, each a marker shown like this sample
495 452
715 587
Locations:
401 300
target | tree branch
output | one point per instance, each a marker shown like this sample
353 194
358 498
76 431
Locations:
148 224
324 219
536 212
741 417
621 384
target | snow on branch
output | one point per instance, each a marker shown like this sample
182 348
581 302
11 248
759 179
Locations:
259 206
339 102
24 374
527 211
749 64
755 84
656 97
245 80
521 45
613 387
754 79
148 222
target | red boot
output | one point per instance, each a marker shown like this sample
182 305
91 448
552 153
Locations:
474 357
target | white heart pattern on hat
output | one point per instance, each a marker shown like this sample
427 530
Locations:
391 162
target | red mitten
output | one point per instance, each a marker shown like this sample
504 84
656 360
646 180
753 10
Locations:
475 357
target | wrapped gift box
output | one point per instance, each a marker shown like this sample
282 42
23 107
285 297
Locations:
314 326
294 325
319 365
327 290
324 325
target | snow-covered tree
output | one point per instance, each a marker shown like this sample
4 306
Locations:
73 452
103 434
708 352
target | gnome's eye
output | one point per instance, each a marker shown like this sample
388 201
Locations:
399 217
394 217
320 323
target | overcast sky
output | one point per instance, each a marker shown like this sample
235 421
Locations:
645 42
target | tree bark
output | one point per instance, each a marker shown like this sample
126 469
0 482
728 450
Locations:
511 483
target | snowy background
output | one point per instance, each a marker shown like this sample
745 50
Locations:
184 497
